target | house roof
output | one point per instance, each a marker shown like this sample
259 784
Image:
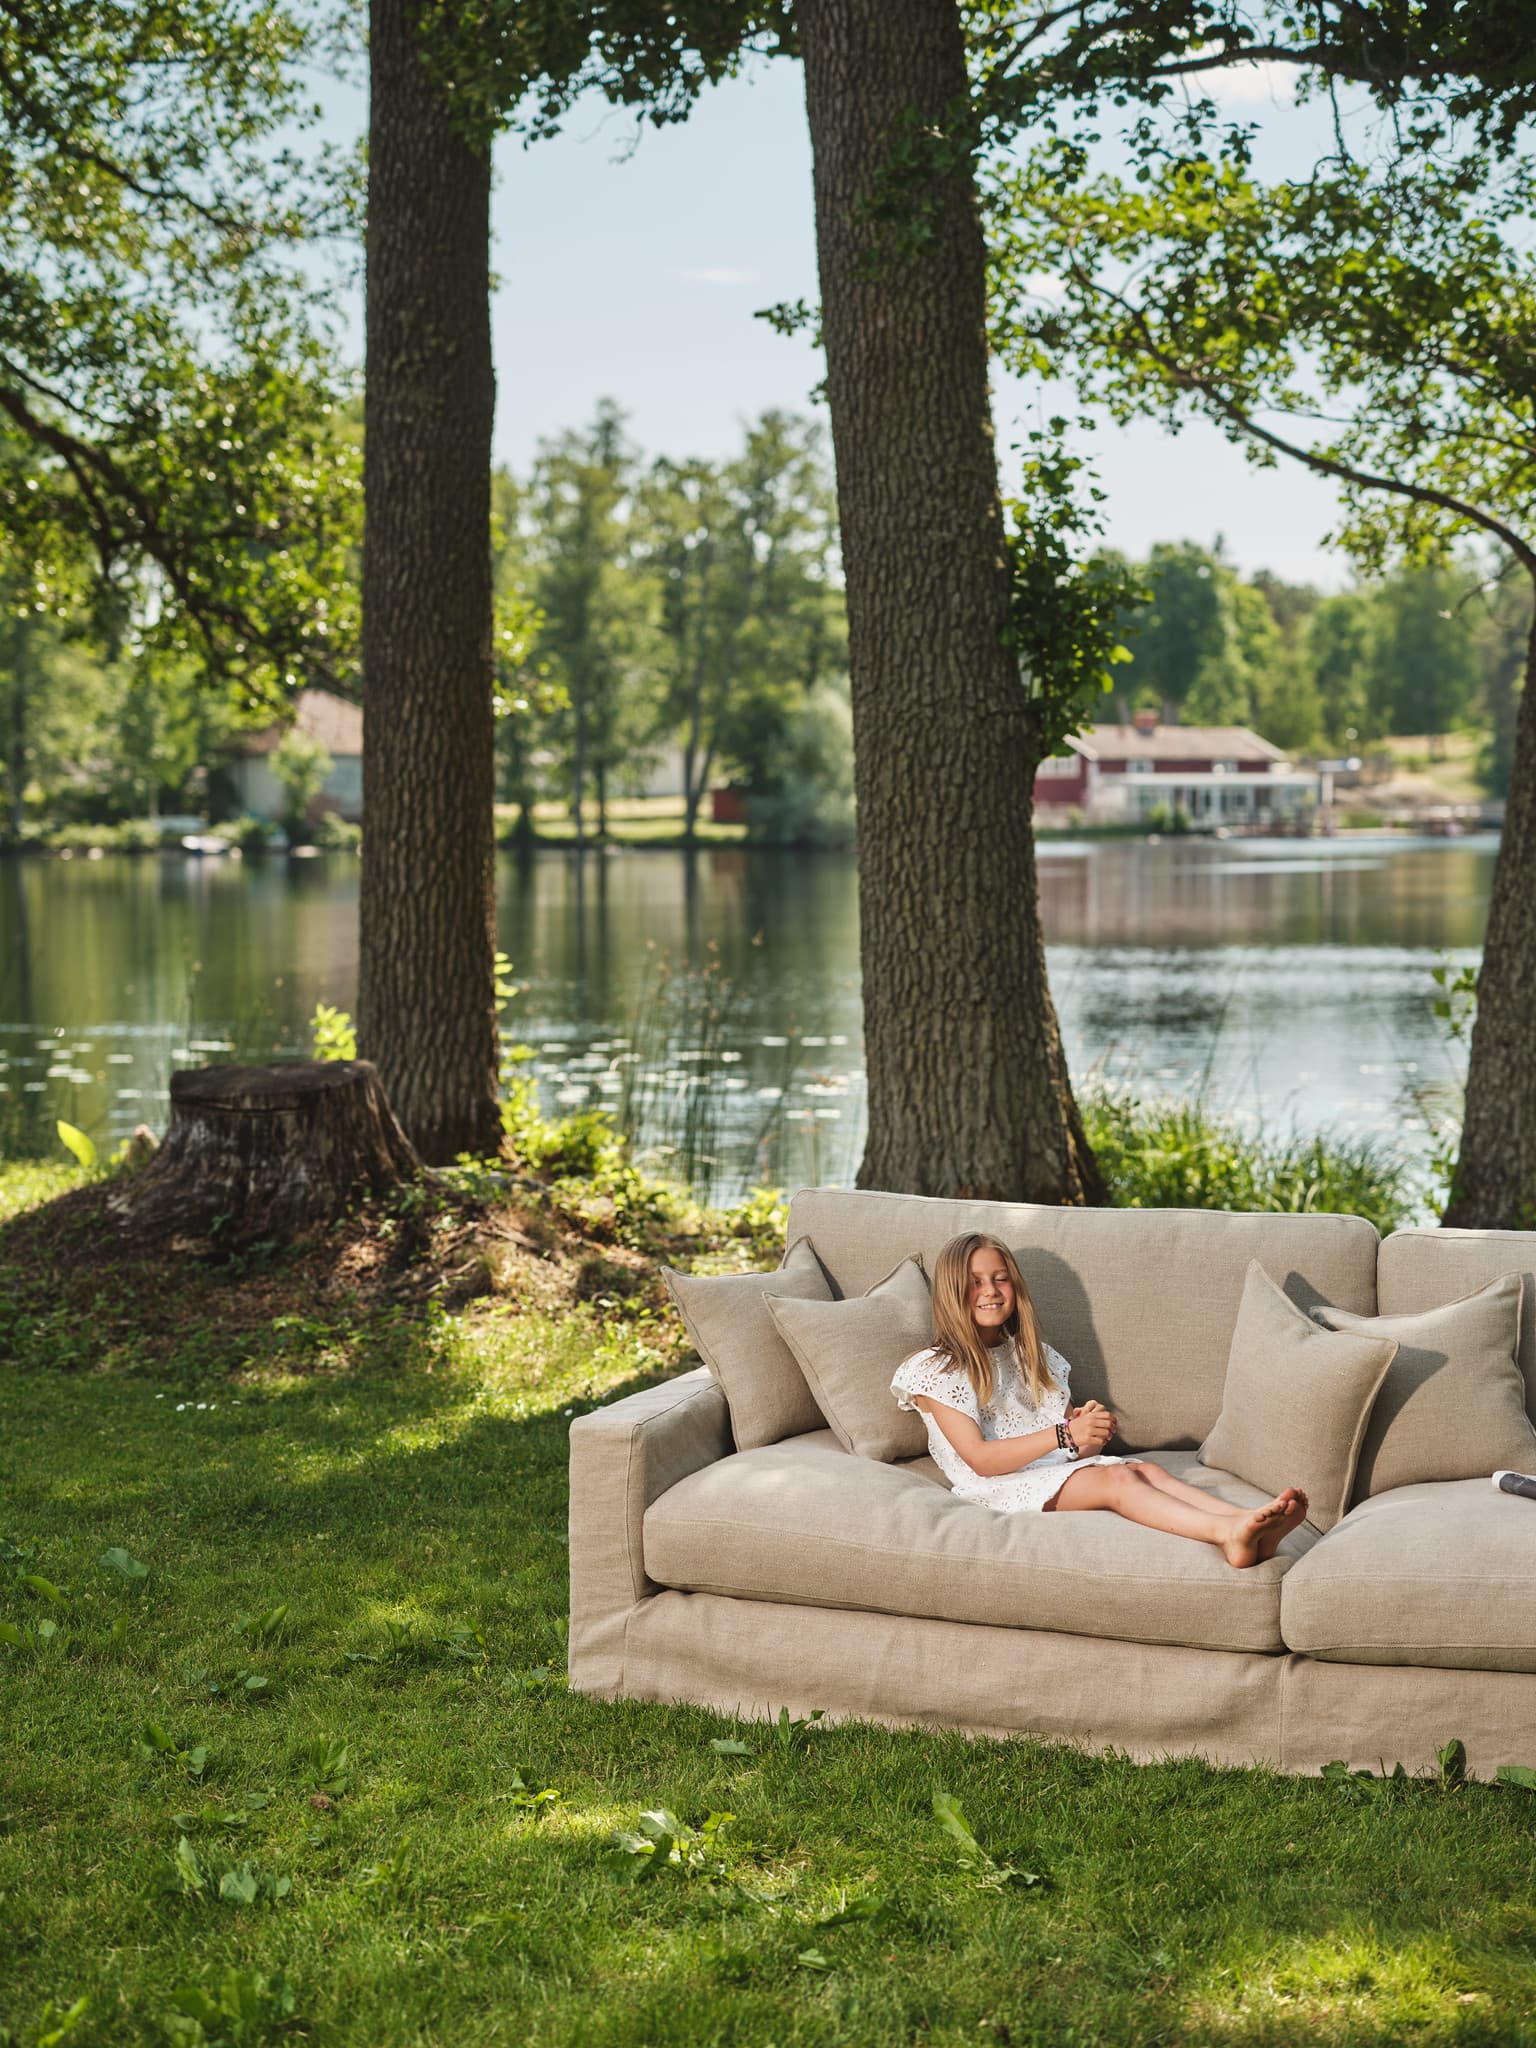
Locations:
1175 743
318 714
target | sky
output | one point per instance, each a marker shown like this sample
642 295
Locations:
631 268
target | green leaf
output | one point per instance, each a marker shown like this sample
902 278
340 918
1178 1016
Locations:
239 1885
1519 1775
727 1745
1452 1762
75 1140
813 1959
119 1560
44 1589
263 1627
11 1636
188 1872
55 2026
950 1817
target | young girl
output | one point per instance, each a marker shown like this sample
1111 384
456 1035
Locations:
994 1397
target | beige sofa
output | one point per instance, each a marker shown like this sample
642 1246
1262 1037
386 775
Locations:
798 1575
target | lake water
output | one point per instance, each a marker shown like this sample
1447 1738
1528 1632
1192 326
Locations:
716 1001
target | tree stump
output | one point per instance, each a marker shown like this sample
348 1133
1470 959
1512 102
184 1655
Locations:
265 1151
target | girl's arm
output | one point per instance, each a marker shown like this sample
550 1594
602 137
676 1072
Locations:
993 1457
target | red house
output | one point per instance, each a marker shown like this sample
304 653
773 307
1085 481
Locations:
1213 774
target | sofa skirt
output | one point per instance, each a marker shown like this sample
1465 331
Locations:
1146 1701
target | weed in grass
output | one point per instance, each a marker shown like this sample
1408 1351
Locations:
43 1589
270 1625
158 1745
54 2026
209 1876
661 1843
794 1734
125 1564
36 1635
1359 1787
323 1765
527 1796
232 2009
243 1684
973 1857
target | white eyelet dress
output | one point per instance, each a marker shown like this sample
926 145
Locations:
1010 1412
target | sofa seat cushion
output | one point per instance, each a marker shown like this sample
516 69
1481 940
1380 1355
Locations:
1440 1574
804 1522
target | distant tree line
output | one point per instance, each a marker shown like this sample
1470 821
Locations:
1432 649
694 610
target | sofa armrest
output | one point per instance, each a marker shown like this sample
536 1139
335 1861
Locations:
623 1458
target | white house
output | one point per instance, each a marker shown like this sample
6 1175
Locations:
319 715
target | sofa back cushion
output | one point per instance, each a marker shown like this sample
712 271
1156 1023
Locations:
848 1351
727 1316
1297 1401
1420 1269
1141 1302
1453 1404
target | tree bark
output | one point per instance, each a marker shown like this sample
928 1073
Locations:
1494 1186
968 1086
426 999
262 1151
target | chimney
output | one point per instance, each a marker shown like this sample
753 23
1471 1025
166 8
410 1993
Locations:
1146 722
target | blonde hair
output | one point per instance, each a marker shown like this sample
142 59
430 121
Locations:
955 1335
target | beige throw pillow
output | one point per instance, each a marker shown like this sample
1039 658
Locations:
1297 1400
727 1318
848 1351
1453 1404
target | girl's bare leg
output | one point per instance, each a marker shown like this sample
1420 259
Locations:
1125 1490
1269 1542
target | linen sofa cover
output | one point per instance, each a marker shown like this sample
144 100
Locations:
1420 1269
804 1522
1140 1302
1146 1700
1440 1574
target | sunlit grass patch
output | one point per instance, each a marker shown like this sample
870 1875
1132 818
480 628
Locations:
1350 1984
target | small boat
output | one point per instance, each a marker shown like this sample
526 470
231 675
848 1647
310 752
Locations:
204 843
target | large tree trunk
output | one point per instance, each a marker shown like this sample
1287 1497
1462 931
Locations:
968 1087
426 1000
1495 1181
20 680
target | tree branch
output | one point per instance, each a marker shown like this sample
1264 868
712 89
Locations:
1205 387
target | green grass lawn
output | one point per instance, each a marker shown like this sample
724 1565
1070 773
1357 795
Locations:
316 1775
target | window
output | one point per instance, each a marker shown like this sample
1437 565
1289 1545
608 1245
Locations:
1060 764
1139 768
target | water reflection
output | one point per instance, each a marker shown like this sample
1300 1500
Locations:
1286 980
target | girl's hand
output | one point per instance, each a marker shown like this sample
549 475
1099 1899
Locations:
1090 1427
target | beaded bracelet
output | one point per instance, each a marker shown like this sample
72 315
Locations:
1064 1441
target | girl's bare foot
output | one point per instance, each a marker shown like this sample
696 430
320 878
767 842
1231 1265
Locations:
1293 1518
1249 1535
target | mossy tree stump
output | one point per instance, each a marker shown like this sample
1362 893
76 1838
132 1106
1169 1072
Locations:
267 1151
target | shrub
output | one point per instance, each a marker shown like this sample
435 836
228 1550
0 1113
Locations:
336 834
1169 1154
